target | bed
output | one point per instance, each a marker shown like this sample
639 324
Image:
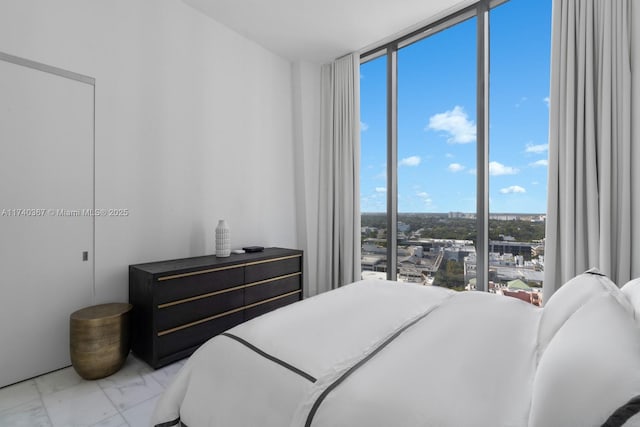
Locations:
380 353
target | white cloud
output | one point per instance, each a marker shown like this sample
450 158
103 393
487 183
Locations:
456 123
363 127
456 167
449 156
536 149
496 168
540 163
410 161
426 198
546 100
522 101
513 189
382 174
381 190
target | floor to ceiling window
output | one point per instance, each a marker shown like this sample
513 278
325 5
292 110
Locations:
373 167
423 181
436 153
518 132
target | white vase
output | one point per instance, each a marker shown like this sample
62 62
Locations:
223 239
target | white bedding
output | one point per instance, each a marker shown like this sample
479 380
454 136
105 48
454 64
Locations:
378 353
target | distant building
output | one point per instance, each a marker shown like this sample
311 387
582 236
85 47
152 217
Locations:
537 250
458 253
374 246
503 217
504 267
515 248
466 215
417 251
374 263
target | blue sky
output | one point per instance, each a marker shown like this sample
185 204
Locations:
437 117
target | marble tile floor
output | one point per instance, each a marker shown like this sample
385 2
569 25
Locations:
63 399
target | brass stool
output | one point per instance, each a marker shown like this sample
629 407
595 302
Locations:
100 339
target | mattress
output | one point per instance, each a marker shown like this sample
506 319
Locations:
381 353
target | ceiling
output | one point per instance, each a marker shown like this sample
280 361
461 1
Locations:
322 30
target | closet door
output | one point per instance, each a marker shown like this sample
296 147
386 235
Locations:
46 240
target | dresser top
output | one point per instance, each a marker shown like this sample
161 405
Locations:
184 265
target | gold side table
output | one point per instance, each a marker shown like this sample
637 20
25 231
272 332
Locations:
100 339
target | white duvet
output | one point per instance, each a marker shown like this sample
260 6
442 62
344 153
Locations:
378 353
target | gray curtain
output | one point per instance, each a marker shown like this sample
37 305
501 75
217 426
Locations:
339 204
593 212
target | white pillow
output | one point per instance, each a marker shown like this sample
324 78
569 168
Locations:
591 365
570 297
631 289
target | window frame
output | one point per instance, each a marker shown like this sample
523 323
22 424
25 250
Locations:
480 10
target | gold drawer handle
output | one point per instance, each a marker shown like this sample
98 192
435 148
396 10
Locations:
222 291
235 310
273 279
230 267
197 297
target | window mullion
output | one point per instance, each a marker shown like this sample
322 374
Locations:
482 99
392 162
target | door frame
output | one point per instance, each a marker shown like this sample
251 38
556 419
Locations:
84 80
91 81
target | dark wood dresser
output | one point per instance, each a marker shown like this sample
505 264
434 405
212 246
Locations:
180 304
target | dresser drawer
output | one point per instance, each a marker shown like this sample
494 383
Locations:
258 310
181 286
195 335
268 269
272 288
183 312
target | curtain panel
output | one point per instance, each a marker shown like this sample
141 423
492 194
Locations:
339 202
593 211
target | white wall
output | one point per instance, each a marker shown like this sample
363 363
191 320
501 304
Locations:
193 124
